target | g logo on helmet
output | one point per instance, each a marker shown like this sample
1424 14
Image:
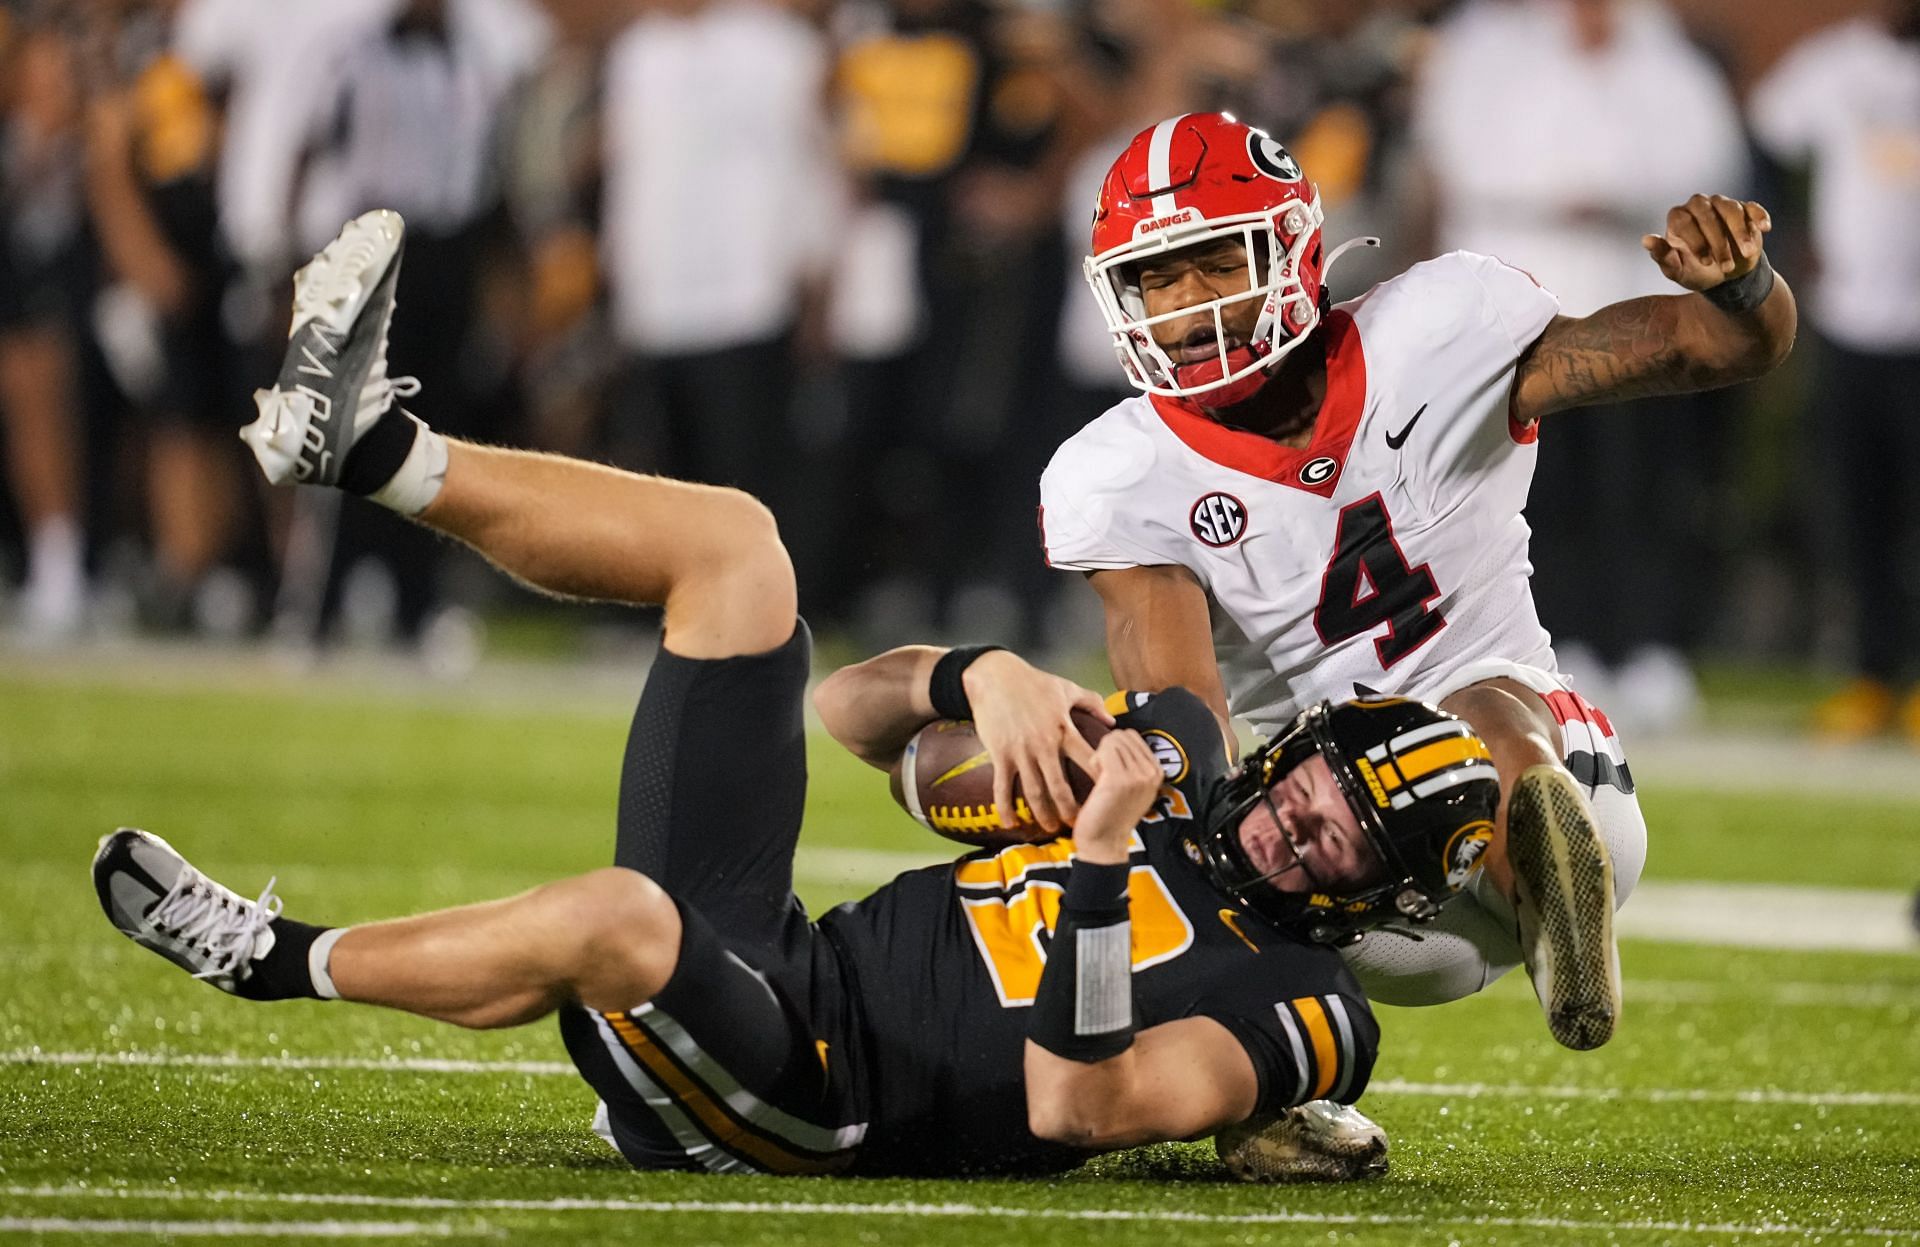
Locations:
1464 852
1272 159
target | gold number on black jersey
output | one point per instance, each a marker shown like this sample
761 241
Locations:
1012 903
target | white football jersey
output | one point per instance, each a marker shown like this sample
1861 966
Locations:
1389 554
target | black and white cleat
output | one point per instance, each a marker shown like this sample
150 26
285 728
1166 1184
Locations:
159 901
1319 1141
333 383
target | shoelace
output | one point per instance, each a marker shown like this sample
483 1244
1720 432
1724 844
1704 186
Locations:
208 918
380 392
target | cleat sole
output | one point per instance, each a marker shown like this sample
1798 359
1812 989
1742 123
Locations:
1564 880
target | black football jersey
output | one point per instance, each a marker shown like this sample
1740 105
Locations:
947 961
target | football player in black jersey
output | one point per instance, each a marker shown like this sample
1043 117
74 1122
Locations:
1166 973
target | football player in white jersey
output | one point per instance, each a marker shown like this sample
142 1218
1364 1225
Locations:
1309 501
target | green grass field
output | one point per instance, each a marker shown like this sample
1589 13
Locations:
1751 1096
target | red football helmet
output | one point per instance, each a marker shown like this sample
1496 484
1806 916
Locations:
1191 180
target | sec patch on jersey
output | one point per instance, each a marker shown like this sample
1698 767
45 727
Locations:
1219 519
945 780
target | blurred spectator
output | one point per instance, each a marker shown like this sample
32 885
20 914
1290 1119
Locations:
1847 102
153 138
1335 89
909 87
559 332
267 101
994 308
1556 133
412 119
237 49
1145 59
44 273
959 123
721 197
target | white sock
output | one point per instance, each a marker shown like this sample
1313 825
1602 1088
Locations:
54 597
55 552
317 958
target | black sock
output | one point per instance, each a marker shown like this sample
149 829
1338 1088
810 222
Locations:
283 974
376 458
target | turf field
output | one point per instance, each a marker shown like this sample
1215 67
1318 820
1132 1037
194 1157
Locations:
1751 1096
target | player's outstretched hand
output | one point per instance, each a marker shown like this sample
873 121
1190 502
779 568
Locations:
1710 239
1130 779
1024 716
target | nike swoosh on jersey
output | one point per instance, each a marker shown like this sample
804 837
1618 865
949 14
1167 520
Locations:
1396 440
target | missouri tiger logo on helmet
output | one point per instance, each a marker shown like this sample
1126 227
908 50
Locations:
1189 181
1464 852
1422 786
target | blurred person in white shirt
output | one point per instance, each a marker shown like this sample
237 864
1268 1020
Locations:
412 116
1846 103
269 98
1553 133
720 193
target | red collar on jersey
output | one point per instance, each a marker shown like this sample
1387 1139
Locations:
1267 459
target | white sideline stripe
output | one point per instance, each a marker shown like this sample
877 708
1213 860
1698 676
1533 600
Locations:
1447 1090
1816 995
1754 915
241 1229
912 1209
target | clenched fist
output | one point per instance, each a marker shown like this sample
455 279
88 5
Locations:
1710 239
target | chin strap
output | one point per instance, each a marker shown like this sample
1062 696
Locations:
1365 240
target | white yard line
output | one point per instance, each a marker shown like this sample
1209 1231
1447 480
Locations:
913 1210
241 1229
1452 1091
1760 762
193 1060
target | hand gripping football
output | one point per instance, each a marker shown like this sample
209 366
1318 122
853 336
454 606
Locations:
945 780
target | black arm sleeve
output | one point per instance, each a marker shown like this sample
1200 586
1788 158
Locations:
1308 1048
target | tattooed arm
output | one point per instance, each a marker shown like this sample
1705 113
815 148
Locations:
1666 344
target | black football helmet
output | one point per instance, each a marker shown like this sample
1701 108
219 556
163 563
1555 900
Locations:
1419 780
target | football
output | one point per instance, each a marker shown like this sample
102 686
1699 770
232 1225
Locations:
945 780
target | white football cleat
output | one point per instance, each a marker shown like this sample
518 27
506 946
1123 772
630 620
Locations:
1563 885
160 902
1319 1141
333 383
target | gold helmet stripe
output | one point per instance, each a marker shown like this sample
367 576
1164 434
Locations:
1427 759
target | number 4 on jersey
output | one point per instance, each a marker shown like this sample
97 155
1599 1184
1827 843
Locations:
1368 583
